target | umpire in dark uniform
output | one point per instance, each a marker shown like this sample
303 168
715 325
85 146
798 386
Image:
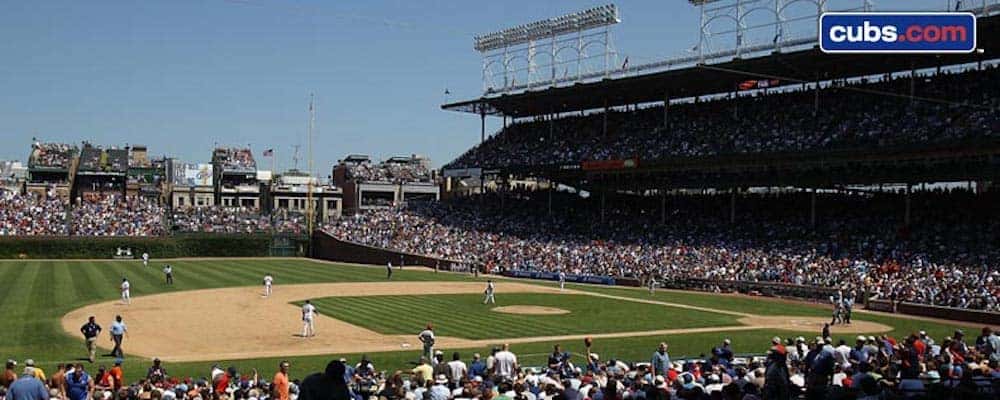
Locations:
90 332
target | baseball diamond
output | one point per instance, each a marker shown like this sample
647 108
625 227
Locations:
169 321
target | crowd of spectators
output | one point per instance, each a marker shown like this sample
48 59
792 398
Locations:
948 255
96 158
952 108
866 367
104 214
52 155
32 214
215 219
235 158
389 172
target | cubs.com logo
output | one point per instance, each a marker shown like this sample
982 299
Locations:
859 32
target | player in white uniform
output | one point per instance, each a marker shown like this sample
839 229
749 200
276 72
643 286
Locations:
562 280
652 285
126 295
145 259
268 281
308 314
490 288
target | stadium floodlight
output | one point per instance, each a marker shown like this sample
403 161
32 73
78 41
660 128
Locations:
579 21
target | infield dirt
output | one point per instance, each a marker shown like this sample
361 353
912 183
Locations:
203 325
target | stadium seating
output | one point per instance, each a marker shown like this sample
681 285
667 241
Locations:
873 114
946 258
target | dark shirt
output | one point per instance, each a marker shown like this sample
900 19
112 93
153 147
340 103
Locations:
90 329
319 386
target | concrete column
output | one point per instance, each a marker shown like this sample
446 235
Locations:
482 139
663 207
666 108
906 214
551 189
603 192
604 131
732 206
812 208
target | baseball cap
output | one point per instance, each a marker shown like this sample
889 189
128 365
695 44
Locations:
29 362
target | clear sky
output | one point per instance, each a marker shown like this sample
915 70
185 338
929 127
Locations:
180 76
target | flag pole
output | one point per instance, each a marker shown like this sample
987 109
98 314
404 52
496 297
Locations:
309 186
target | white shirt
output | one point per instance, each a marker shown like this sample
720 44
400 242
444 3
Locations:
504 363
842 355
562 276
457 369
268 279
125 285
308 311
168 269
489 288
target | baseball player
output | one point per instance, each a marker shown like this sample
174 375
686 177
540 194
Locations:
652 285
268 281
490 289
562 281
388 271
126 295
848 307
308 314
168 271
145 259
838 307
426 337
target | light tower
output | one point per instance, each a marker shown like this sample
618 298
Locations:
532 55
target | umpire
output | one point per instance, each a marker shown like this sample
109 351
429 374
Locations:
90 332
118 330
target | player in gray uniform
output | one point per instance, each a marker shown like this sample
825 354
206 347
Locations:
490 289
426 337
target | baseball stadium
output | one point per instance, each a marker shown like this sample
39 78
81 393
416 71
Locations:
772 214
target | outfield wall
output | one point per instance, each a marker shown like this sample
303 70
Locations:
959 314
327 247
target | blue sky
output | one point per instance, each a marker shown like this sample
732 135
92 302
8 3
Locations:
180 76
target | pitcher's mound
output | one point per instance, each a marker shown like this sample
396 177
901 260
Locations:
531 310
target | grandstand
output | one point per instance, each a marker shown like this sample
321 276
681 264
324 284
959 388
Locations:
369 185
100 171
235 178
51 167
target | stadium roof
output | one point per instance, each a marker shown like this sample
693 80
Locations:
791 67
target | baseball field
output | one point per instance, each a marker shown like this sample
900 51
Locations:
215 313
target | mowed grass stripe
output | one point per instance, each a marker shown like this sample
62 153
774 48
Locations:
62 278
508 324
464 315
758 305
374 317
438 312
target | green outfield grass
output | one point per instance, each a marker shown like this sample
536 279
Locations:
465 315
34 295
